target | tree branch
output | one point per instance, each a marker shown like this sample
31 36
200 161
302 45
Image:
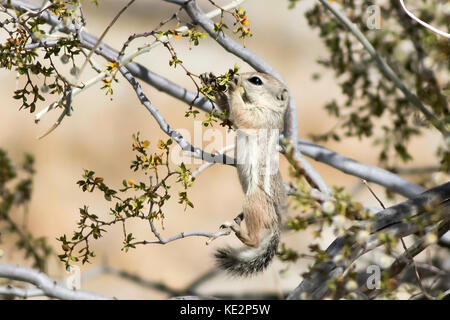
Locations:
20 292
367 172
48 286
390 220
206 165
191 288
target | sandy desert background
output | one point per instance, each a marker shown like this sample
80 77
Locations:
98 137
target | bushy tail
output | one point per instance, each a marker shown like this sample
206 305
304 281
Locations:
247 261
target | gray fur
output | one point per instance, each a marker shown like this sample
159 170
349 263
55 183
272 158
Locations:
229 258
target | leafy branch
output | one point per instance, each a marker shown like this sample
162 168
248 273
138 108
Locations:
146 203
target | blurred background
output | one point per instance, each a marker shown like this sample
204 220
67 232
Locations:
98 137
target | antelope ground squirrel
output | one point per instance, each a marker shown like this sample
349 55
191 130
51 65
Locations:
256 104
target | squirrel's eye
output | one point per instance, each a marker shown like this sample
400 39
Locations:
256 81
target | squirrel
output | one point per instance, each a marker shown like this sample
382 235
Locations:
256 104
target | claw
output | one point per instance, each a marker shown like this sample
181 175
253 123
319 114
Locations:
208 78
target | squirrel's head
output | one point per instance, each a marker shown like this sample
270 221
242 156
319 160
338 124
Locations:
262 95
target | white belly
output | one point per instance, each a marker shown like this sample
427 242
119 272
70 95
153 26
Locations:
255 157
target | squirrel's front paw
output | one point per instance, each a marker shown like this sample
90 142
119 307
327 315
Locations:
208 79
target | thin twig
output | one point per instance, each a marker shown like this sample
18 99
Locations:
99 41
373 193
181 235
426 25
416 272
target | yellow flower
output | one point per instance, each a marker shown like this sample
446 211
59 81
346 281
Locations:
175 35
113 64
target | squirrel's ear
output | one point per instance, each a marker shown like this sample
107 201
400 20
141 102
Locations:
283 95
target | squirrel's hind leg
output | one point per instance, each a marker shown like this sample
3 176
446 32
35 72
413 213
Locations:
249 239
